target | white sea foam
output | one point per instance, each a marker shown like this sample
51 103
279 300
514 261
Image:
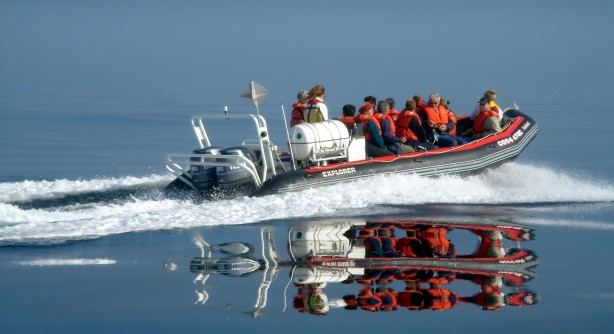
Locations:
29 190
66 262
512 183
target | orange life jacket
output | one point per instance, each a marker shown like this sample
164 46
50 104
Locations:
390 121
452 117
436 239
439 116
389 300
297 114
405 248
403 122
365 121
486 243
393 113
348 121
478 124
405 299
442 299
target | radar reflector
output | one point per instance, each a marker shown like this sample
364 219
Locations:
255 94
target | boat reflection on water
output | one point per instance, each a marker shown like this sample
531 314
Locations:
390 265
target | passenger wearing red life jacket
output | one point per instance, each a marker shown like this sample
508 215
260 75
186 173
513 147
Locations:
441 124
348 117
369 301
393 143
420 105
438 298
490 297
451 115
298 108
393 113
436 241
409 126
486 121
389 300
375 145
491 95
522 298
490 244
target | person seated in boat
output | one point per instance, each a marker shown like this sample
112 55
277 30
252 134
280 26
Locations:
441 124
486 121
395 144
409 126
451 115
347 117
420 108
371 99
298 108
374 143
393 113
315 109
491 95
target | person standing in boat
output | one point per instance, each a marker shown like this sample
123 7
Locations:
298 108
315 109
410 127
441 124
393 143
373 133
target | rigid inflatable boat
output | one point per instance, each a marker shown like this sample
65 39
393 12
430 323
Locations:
322 154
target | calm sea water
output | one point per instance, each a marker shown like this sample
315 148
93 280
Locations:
93 94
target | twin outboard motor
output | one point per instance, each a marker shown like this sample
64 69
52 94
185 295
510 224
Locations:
204 177
235 177
226 178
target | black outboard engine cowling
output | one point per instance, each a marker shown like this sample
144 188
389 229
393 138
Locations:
204 178
236 177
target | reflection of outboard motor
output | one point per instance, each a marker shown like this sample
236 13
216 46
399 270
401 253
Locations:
204 177
235 177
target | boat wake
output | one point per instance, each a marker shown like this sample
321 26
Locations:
52 212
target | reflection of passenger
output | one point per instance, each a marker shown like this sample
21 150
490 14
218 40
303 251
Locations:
372 301
434 297
490 244
490 297
311 299
522 298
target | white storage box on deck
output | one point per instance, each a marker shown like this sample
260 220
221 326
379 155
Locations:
319 141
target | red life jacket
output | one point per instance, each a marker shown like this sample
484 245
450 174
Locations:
348 121
365 121
486 243
436 239
394 114
390 121
412 299
297 114
442 299
478 124
389 300
403 122
452 117
439 116
405 248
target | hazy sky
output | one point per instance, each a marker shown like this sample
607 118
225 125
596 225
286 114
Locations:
211 49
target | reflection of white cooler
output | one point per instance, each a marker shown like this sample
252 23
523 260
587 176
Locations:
319 141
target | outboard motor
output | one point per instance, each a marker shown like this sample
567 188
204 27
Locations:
204 177
236 177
